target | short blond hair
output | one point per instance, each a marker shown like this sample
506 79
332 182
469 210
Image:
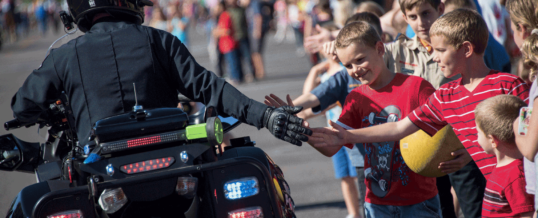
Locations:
410 4
462 25
525 12
357 32
495 116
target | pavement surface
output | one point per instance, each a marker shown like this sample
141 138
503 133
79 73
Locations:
310 175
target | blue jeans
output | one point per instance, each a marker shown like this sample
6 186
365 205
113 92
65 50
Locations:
234 65
428 208
244 54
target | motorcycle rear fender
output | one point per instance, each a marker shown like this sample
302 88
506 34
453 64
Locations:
49 201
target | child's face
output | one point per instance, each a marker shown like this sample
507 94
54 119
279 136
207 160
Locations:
421 18
484 141
450 59
362 62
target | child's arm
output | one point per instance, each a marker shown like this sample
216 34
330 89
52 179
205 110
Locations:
528 144
329 140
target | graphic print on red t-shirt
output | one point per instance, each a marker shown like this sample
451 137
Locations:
453 104
388 179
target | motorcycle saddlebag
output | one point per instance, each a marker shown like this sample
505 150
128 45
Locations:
140 123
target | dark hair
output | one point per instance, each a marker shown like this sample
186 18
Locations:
369 18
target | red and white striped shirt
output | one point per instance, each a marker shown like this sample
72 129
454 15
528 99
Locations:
453 104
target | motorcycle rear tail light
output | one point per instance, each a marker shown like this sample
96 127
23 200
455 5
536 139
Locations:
148 165
67 214
250 212
186 186
241 188
111 200
114 146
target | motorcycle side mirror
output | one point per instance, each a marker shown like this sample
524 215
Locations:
19 155
10 153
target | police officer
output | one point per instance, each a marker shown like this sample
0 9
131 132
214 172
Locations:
97 72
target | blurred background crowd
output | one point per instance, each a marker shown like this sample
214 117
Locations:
236 30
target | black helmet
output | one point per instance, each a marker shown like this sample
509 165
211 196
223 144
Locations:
84 10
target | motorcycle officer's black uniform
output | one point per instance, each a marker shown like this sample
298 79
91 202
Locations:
97 72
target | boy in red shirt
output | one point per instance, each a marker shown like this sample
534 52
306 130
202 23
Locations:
505 194
391 188
459 39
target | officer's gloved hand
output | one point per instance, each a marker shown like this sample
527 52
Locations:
283 124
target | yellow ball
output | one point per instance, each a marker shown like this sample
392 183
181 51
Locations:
423 153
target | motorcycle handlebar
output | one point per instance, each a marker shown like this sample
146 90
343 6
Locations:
15 124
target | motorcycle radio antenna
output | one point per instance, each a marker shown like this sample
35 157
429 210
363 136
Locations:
136 106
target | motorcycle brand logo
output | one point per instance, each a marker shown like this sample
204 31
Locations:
92 3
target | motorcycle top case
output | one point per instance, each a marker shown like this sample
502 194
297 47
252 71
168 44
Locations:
139 123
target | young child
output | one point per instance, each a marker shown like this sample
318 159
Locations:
391 188
524 25
413 56
505 194
459 39
334 90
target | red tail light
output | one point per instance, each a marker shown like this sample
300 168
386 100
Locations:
67 214
251 212
148 165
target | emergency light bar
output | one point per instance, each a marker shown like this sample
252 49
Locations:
120 145
214 135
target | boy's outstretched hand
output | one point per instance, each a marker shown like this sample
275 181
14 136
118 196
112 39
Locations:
461 158
274 101
330 49
333 136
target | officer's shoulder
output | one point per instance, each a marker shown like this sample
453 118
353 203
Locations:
68 47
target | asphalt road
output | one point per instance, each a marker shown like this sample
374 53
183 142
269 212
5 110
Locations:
310 175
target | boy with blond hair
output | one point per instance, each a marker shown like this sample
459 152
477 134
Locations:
384 96
459 39
505 194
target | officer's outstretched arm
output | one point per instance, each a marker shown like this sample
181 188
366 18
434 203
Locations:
198 84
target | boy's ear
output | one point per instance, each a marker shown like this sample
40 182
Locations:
468 48
380 47
494 141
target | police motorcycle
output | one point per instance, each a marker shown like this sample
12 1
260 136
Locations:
144 163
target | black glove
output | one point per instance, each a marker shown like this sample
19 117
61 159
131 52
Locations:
282 123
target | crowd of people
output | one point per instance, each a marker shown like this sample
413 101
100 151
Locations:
235 30
395 67
382 70
18 18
